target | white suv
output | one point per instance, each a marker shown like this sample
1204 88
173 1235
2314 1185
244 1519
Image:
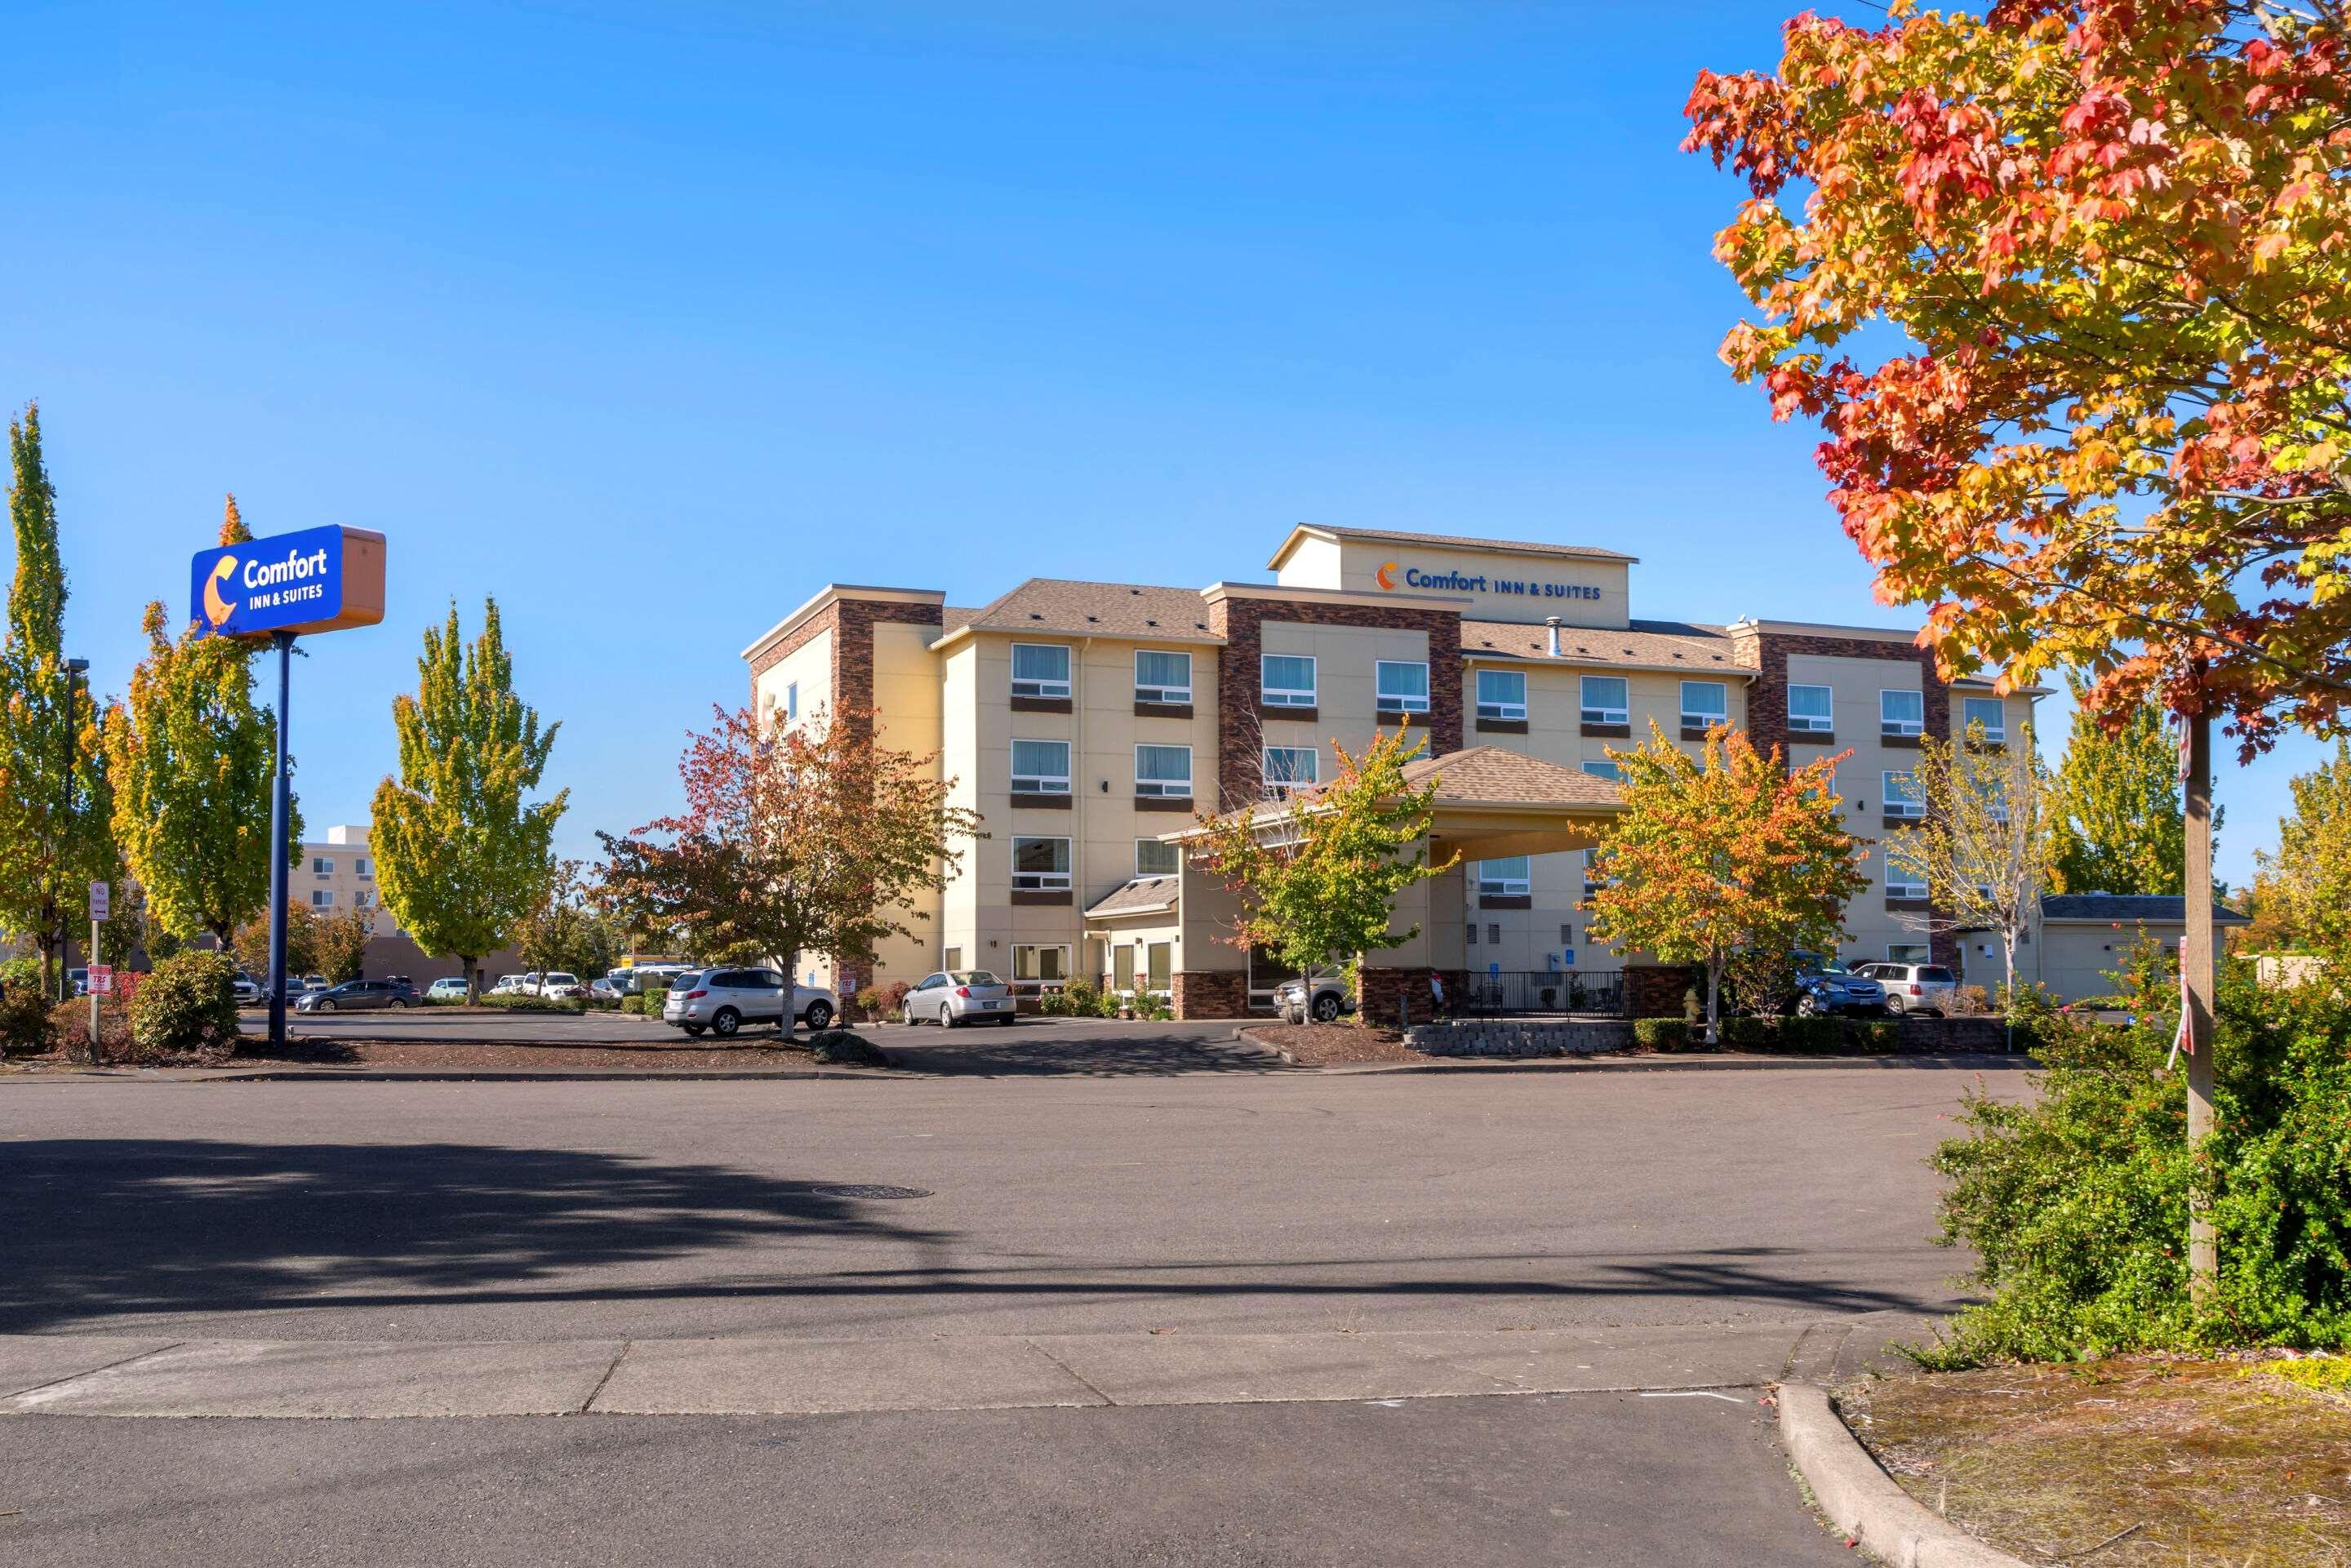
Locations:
1915 988
724 1000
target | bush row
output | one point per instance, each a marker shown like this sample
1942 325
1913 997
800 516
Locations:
1084 999
1797 1036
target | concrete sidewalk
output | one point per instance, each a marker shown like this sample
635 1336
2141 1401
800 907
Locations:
98 1374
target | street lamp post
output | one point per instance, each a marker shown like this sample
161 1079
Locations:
75 670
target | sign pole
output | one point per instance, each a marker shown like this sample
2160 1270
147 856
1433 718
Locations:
97 1053
280 811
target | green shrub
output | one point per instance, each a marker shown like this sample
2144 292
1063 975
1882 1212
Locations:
1877 1035
1812 1036
633 1005
1083 998
1156 1007
655 997
1665 1034
512 1002
1750 1033
2076 1203
24 1024
1054 1004
186 1008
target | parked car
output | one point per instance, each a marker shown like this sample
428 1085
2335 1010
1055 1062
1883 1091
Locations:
639 978
248 989
957 997
360 996
561 983
1915 988
724 1000
80 978
447 989
1826 986
1319 997
603 988
516 985
308 983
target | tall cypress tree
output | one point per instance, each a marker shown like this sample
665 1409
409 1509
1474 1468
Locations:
56 831
190 757
2118 824
461 859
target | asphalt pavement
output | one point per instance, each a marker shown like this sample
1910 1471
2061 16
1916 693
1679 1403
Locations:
1224 1316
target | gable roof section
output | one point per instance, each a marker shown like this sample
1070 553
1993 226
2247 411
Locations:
1093 610
1490 776
1456 541
1143 895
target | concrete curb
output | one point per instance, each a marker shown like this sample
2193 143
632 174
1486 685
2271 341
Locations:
1862 1499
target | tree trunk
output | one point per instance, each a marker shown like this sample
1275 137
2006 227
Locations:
2196 968
1713 1000
2007 962
473 978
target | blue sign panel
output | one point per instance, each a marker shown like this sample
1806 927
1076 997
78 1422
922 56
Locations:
314 581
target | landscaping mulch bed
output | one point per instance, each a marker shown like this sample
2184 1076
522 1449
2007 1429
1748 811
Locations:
1332 1044
2132 1462
745 1054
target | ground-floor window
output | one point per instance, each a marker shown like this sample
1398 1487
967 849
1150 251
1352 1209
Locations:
1159 965
1040 962
1908 952
1122 967
951 958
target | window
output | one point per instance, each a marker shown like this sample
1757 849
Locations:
1161 678
321 866
1908 952
1902 713
363 899
1049 964
1604 700
1402 687
1936 975
1567 936
1122 967
1591 877
1812 710
1473 934
1159 965
1501 693
1288 770
1153 858
1989 711
1506 878
1041 767
363 867
1605 770
1286 680
1163 770
1901 884
1493 933
951 958
1041 670
1902 798
1040 865
1705 703
322 898
1995 800
791 700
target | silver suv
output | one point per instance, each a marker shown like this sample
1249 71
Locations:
1915 988
724 1000
1320 996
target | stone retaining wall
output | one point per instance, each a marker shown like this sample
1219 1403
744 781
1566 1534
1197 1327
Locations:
1519 1037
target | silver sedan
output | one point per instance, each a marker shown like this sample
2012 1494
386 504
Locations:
958 996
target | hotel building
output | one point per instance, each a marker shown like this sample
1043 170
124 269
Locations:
1087 722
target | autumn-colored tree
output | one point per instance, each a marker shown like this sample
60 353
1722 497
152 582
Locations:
339 943
559 932
56 833
2308 879
2111 233
1983 848
2116 820
1724 853
460 856
192 758
813 838
1318 875
250 944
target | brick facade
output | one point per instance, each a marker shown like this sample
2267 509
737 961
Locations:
1658 990
1385 998
1767 703
1211 994
1240 769
851 623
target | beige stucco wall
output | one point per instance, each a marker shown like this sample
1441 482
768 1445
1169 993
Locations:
2072 961
1346 684
909 707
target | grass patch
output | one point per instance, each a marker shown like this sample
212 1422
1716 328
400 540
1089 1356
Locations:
2155 1462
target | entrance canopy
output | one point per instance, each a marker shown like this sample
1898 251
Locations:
1491 803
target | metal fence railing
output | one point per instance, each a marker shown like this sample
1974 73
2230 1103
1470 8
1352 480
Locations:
1539 992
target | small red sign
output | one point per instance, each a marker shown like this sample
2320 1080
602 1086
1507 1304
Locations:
101 979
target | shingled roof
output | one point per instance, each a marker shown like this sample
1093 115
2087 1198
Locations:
2127 908
1673 644
1490 776
1143 895
1094 610
1459 541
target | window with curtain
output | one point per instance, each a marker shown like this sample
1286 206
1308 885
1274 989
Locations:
1041 670
1288 769
1705 703
1040 865
1902 712
1604 701
1989 711
1501 693
1287 680
1400 687
1509 877
1163 770
1040 767
1153 858
1161 678
1902 796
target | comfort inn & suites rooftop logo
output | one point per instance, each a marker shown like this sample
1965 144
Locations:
314 581
1386 576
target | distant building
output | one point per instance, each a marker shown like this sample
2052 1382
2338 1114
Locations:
2078 940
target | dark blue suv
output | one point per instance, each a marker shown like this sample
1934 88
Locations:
1826 986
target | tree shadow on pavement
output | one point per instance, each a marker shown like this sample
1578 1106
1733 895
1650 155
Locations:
103 1228
1064 1051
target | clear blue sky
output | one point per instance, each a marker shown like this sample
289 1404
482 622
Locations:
650 319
